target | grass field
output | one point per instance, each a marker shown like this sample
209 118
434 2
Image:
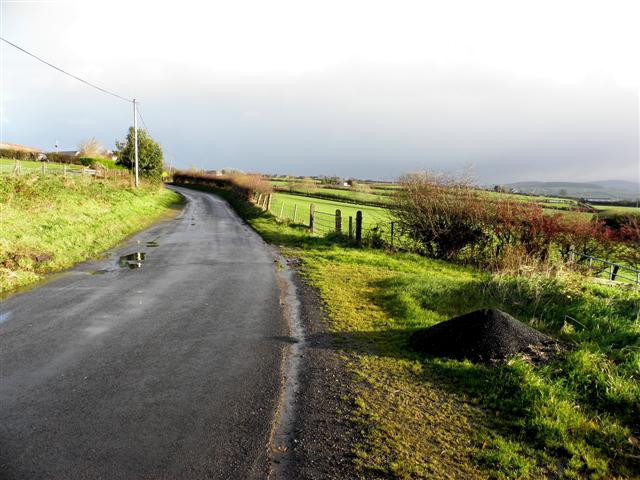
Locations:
27 166
371 216
7 165
48 223
420 417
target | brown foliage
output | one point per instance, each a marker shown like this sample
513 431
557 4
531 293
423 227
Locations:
450 219
246 184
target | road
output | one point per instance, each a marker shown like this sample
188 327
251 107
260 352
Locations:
170 370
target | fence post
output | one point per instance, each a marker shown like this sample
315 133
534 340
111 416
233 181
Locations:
269 203
281 210
16 168
572 254
611 274
259 199
295 212
350 227
338 221
392 234
359 227
312 216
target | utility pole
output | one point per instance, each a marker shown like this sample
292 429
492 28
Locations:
135 137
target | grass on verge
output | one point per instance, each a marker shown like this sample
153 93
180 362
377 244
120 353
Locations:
421 417
49 223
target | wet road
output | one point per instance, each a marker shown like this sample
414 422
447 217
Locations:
170 370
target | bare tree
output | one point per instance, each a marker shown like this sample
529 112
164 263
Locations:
91 148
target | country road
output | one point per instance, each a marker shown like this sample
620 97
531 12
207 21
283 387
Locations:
161 367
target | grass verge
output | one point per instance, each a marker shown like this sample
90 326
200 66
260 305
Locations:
49 223
575 417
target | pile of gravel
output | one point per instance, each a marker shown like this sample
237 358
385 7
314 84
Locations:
484 336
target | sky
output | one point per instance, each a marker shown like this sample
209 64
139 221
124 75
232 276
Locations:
511 90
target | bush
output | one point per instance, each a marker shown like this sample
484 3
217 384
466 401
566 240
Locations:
150 164
18 154
245 185
62 158
452 220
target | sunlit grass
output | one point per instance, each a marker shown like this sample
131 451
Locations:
575 417
48 223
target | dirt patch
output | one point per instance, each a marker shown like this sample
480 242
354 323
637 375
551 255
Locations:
323 436
485 336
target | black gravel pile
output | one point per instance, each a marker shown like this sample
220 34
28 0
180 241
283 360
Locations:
483 336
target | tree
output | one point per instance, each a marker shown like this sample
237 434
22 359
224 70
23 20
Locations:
91 148
149 155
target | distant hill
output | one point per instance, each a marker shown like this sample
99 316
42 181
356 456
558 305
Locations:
604 189
14 146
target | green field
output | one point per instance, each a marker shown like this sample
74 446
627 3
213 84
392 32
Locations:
371 216
7 166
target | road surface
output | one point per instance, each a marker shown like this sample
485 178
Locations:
169 370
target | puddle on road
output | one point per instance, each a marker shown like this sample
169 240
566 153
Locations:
5 316
133 260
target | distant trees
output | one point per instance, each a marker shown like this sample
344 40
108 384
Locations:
150 157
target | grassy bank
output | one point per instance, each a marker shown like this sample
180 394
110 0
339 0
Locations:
49 223
575 417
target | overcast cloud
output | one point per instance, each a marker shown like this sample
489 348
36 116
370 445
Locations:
517 90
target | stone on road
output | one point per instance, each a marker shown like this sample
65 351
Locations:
157 366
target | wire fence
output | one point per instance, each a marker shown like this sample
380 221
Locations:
19 167
382 232
602 268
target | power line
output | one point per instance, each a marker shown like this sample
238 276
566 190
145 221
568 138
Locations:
65 72
142 119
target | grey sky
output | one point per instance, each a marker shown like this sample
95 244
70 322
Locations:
536 91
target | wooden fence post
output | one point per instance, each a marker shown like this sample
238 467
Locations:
350 227
359 227
338 221
269 203
259 199
572 254
312 217
295 212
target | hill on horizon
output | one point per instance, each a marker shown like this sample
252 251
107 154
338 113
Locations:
605 189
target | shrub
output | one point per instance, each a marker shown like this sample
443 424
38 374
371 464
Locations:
15 154
62 158
452 220
246 185
150 156
443 214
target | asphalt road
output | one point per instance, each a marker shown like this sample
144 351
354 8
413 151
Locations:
170 370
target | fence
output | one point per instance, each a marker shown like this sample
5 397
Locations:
605 269
356 227
18 168
390 234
